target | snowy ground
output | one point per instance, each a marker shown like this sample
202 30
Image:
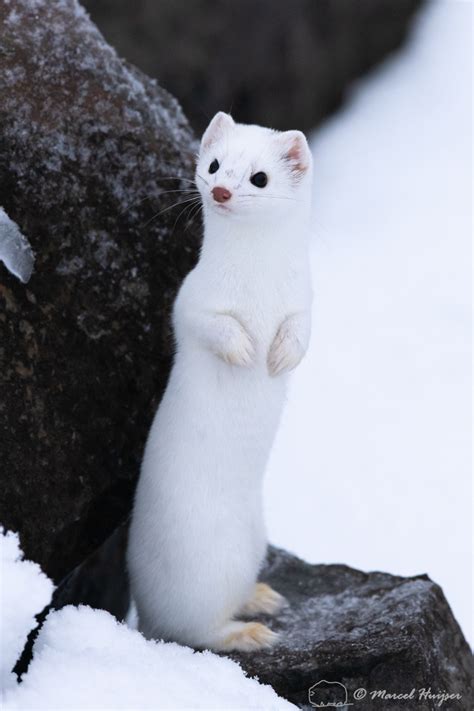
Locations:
372 463
24 591
85 659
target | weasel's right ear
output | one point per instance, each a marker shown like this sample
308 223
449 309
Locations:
220 124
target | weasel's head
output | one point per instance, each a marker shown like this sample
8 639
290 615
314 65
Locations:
252 173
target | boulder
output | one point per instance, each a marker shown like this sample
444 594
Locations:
91 152
368 639
96 161
365 634
274 62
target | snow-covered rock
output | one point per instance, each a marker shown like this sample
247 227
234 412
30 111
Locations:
24 592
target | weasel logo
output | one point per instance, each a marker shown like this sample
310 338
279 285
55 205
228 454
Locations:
328 694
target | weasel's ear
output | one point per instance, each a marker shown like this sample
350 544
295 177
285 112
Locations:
220 124
295 151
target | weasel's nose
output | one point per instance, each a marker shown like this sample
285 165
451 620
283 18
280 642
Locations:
221 194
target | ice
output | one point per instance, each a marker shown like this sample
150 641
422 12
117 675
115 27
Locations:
372 463
15 250
25 591
85 659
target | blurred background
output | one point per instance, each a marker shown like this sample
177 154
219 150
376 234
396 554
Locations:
273 62
372 465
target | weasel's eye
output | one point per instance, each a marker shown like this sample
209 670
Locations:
214 167
259 179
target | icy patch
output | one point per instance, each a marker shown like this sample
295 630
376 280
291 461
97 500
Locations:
85 659
15 250
25 591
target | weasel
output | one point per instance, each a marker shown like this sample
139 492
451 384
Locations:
241 322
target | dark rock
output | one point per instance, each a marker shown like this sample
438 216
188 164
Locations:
274 62
369 631
342 631
87 148
101 581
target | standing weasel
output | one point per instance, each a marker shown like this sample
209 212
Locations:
241 322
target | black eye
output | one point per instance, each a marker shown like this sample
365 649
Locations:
214 167
259 179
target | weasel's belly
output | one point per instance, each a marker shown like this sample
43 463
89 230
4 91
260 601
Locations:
224 417
197 537
209 444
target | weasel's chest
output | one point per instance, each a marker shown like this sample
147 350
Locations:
254 280
260 298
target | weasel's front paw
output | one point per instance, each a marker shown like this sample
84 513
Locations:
234 345
285 352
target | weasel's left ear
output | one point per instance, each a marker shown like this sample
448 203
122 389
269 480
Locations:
295 151
220 124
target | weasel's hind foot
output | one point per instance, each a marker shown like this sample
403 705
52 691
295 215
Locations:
264 600
244 637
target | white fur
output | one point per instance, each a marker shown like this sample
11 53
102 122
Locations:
242 321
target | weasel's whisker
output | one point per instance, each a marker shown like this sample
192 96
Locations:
157 195
180 190
193 214
175 177
170 207
190 207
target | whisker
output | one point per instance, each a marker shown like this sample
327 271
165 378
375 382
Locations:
158 194
170 207
179 190
193 214
175 177
183 211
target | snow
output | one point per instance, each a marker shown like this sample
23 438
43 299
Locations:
371 466
24 592
15 250
85 659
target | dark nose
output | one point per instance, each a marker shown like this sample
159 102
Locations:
221 194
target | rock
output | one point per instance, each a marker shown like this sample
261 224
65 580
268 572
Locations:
89 150
277 63
100 581
371 631
342 631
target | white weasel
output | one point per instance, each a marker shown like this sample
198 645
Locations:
241 321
